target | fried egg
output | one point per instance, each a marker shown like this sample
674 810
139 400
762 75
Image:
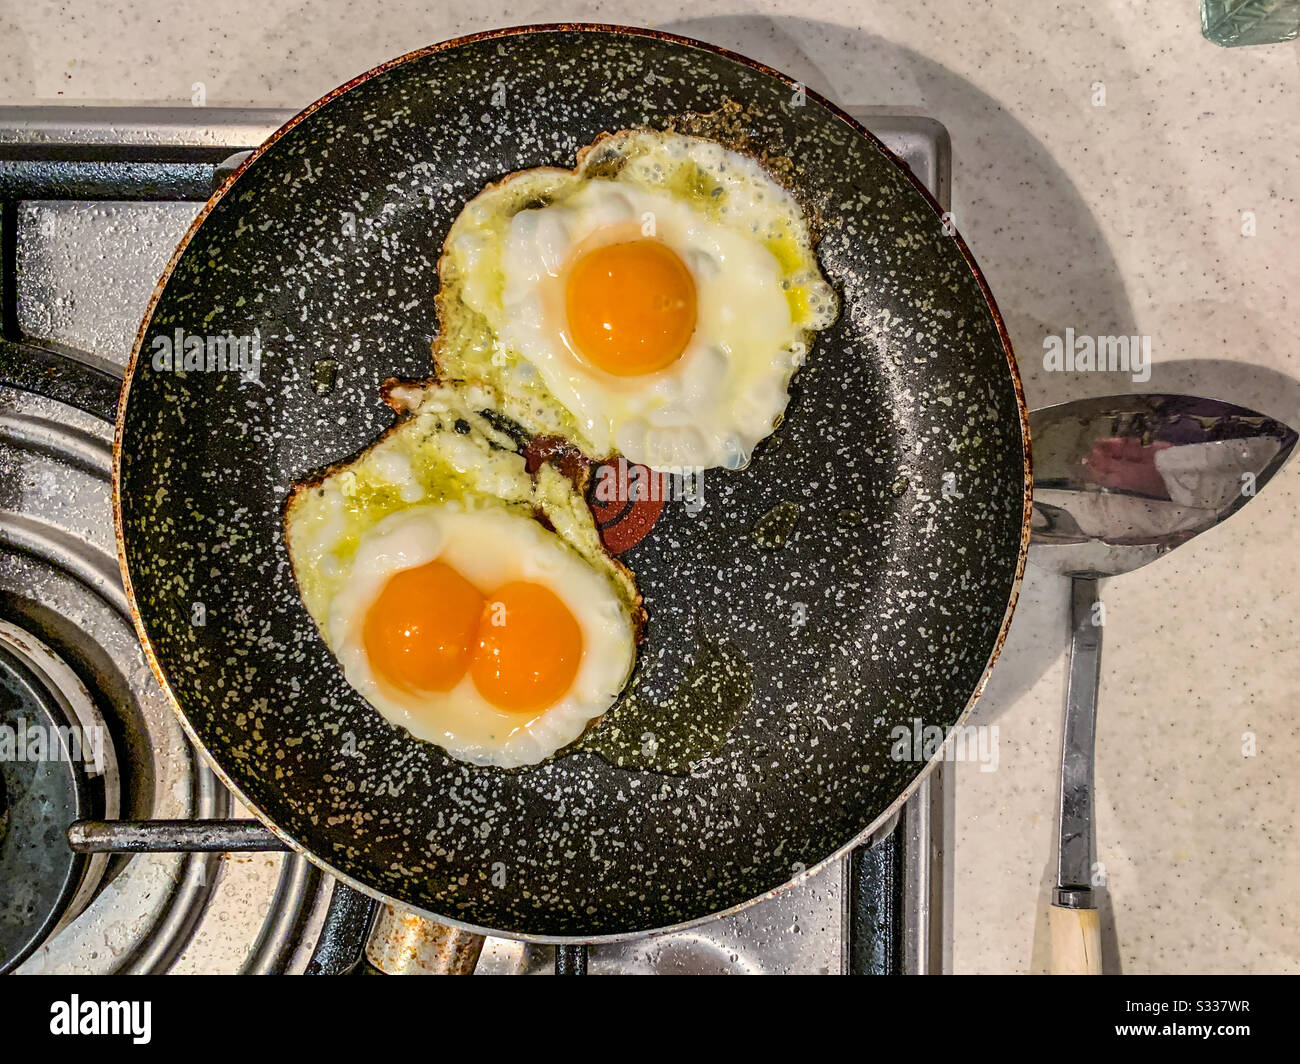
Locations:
654 302
453 609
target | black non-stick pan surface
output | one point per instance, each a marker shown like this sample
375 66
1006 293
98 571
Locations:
857 578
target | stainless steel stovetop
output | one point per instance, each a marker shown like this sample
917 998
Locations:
94 200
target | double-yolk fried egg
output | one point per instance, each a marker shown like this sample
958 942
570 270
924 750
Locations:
451 607
654 302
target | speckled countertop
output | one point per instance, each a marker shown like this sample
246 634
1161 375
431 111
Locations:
1109 165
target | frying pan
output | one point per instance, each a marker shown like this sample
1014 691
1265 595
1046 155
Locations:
899 480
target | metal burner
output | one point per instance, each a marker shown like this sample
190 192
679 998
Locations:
64 611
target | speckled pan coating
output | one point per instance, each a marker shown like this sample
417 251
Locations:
887 601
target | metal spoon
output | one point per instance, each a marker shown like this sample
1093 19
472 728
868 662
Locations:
1117 483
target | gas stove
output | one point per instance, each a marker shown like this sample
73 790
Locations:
92 203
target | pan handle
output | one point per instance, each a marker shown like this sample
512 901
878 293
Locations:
402 943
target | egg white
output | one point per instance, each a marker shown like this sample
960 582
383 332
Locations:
489 546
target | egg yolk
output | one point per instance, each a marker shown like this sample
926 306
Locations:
631 306
429 626
420 630
529 648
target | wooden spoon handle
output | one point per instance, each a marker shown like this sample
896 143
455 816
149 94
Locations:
1076 941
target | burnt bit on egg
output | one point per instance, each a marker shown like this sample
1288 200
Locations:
403 394
507 426
560 453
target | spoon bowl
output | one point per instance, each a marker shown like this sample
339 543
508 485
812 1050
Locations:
1122 480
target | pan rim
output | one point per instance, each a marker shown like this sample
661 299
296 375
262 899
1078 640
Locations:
608 29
